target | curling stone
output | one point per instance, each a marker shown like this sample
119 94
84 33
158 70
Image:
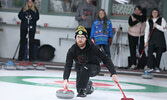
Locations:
21 66
9 65
147 75
40 66
65 93
30 66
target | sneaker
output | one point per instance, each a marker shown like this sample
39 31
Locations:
157 69
89 88
82 93
133 67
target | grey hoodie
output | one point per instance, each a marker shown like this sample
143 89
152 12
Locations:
89 11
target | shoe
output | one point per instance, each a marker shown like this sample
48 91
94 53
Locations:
89 88
133 67
82 93
157 69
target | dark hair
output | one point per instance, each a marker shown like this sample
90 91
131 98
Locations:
151 16
105 20
139 7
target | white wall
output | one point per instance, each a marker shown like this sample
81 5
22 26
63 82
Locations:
58 27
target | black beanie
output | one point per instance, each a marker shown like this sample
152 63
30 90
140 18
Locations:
32 0
81 31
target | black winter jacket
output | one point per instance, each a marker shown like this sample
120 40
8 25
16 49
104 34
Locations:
24 21
89 55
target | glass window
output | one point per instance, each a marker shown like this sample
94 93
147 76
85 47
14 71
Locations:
66 6
16 4
126 7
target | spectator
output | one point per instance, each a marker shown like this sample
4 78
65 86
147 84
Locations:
29 11
156 43
86 56
136 37
86 14
101 32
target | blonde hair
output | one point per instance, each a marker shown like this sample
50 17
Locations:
32 7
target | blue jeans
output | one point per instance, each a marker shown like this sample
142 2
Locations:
106 49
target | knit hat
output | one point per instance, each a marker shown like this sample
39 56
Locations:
32 0
81 31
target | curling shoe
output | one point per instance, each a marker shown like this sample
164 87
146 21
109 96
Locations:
82 93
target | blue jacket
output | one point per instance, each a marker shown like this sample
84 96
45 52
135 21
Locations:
97 32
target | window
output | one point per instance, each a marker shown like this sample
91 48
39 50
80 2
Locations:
66 6
126 7
16 4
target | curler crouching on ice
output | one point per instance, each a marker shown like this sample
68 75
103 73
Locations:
87 58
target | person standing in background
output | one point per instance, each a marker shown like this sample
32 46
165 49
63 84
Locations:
102 32
155 41
29 11
136 36
86 14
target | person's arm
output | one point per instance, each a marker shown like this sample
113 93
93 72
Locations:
110 30
78 15
21 15
108 63
110 33
147 31
132 22
106 60
162 27
92 31
68 65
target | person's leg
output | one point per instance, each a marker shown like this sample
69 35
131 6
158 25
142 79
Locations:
82 81
23 39
107 50
132 47
151 57
159 52
142 61
31 45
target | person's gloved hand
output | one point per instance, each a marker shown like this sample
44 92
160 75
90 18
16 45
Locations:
109 41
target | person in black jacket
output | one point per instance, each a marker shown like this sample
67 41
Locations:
156 41
87 62
29 11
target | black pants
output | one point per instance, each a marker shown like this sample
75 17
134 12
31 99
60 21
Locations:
133 43
152 60
84 73
88 31
23 42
